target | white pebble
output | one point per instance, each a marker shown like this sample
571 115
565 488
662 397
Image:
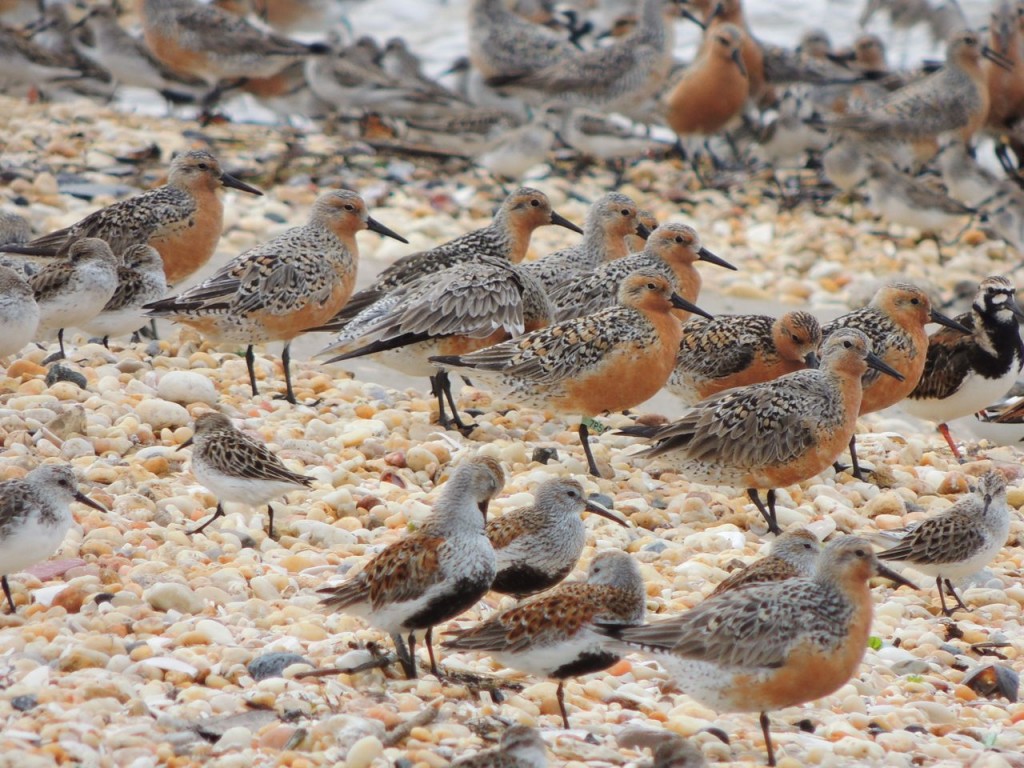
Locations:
364 752
169 596
187 387
161 413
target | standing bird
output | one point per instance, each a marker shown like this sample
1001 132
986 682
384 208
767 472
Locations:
19 313
506 238
611 360
966 372
34 518
954 99
73 292
235 467
284 287
609 221
894 321
671 251
556 634
770 646
772 434
433 574
502 42
712 91
794 553
521 747
739 350
182 219
140 280
536 547
959 541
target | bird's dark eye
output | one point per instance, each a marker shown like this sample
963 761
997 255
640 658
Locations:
794 337
625 212
535 203
860 553
349 207
203 167
847 344
651 286
915 302
679 239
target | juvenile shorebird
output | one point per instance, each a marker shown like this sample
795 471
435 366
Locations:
794 553
433 574
182 219
713 90
738 350
771 646
954 99
510 154
506 238
140 280
34 517
23 63
19 313
671 250
536 547
966 373
618 78
772 434
205 42
602 137
504 43
900 199
894 321
959 541
238 468
282 288
555 634
521 747
609 221
611 360
73 292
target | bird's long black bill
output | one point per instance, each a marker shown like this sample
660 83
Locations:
81 498
375 226
230 181
941 319
603 511
888 573
711 258
561 221
680 303
874 361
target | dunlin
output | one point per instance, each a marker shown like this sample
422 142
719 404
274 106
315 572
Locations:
34 517
901 199
965 373
521 747
772 434
671 250
73 292
894 321
182 219
738 350
536 547
794 553
283 287
431 575
959 541
238 468
506 238
140 280
611 360
770 646
555 634
19 313
609 221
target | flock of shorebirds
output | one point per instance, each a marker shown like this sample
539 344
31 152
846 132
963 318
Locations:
599 326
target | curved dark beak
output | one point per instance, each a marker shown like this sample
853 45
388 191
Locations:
997 58
483 508
1015 308
603 511
680 303
642 231
737 56
705 255
941 319
230 181
691 16
81 498
888 573
874 361
375 226
811 360
561 221
188 442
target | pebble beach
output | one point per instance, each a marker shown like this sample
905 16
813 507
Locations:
137 645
